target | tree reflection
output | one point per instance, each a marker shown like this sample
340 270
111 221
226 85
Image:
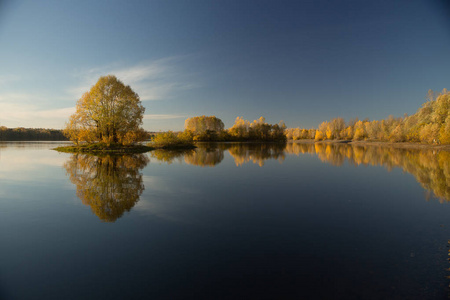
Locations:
207 155
211 154
170 156
109 184
430 167
258 153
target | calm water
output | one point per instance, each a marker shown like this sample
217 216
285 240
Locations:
226 221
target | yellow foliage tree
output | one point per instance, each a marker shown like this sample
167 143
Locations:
360 131
110 112
319 135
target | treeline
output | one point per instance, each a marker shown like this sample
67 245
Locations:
211 128
429 125
31 134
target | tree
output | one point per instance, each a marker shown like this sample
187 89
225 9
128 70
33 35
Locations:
240 129
204 128
257 130
201 124
110 112
360 131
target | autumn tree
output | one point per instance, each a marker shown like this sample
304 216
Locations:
321 131
257 130
240 129
360 131
109 112
204 127
334 128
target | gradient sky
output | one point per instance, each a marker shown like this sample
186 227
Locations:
298 61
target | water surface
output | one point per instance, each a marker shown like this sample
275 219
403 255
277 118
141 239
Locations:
225 221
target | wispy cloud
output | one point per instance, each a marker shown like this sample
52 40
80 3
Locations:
162 117
7 79
33 107
17 97
27 115
152 80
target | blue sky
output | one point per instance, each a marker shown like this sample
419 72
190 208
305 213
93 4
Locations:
298 61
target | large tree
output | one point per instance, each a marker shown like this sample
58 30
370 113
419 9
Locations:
110 112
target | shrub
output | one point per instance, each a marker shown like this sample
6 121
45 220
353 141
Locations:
169 139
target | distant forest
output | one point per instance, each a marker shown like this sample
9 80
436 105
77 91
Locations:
30 134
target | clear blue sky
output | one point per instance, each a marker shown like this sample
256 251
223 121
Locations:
298 61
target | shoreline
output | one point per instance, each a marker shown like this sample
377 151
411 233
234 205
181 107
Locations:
402 145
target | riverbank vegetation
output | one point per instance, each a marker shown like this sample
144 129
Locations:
171 140
211 128
429 125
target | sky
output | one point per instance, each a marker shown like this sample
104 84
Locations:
302 62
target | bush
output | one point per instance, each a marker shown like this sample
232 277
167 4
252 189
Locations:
170 140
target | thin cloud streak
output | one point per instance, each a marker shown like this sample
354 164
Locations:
152 80
27 115
7 79
17 97
162 117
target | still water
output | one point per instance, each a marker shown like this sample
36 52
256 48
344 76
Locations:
225 221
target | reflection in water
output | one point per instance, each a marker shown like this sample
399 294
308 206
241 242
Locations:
109 184
211 154
257 153
430 167
207 155
202 156
169 156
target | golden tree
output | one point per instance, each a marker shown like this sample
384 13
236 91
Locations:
204 128
110 112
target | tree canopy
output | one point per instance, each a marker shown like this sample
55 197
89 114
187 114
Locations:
109 112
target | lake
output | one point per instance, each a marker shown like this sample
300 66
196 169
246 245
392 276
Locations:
225 221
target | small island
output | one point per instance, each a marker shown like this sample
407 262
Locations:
101 148
108 119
